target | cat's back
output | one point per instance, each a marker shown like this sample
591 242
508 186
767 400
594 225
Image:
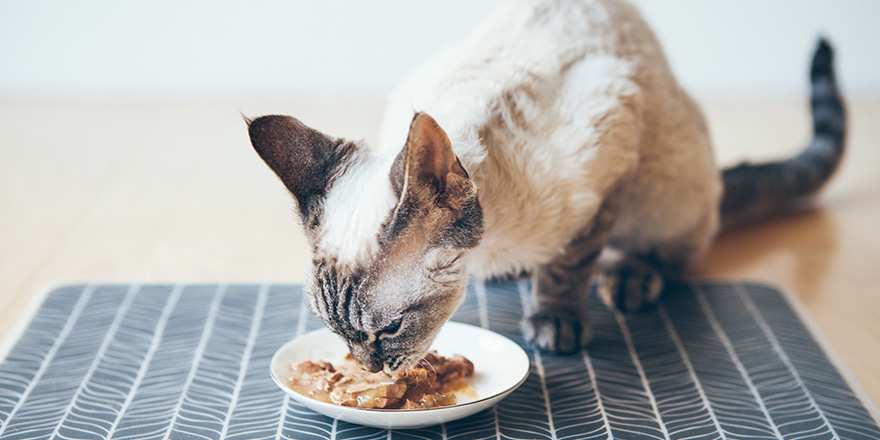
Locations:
528 45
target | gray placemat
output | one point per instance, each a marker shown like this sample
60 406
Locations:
712 360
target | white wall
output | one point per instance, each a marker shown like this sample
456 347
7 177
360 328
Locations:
764 46
281 48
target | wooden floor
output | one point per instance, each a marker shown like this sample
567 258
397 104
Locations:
173 191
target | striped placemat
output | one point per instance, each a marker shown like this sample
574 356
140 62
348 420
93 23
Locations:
712 360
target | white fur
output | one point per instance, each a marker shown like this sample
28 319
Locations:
357 204
551 106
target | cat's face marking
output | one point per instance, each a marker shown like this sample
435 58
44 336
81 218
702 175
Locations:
389 242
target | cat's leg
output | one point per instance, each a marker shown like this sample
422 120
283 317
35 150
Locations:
558 321
630 282
631 275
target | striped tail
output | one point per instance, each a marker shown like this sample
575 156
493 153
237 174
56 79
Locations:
753 191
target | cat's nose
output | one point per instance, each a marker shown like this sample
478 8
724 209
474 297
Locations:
369 361
371 364
375 367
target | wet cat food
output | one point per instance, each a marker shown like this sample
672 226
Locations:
431 383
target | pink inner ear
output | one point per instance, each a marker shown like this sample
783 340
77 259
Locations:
432 157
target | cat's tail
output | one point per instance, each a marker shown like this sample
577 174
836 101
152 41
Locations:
753 191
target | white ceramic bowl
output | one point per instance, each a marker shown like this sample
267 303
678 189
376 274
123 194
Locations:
500 366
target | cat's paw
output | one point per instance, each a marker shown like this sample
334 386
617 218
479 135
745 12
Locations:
557 330
629 285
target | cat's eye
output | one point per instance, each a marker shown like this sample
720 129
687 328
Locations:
390 329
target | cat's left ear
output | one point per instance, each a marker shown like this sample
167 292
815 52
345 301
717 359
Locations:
427 168
302 157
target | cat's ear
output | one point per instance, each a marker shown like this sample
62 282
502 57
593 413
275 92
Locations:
429 179
302 157
427 168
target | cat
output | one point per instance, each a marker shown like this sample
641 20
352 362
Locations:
554 141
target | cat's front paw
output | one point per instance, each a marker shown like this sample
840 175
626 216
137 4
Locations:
557 330
629 285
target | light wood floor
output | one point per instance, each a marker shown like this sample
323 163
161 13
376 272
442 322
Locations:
173 191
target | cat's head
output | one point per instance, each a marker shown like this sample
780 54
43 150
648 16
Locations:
389 237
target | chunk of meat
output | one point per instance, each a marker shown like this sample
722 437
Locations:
369 394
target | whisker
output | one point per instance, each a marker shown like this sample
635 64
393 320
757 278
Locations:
425 361
409 367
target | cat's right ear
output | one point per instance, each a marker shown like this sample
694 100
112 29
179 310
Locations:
302 157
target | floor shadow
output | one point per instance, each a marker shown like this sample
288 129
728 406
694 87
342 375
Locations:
806 235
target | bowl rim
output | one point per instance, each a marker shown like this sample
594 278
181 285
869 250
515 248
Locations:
504 392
